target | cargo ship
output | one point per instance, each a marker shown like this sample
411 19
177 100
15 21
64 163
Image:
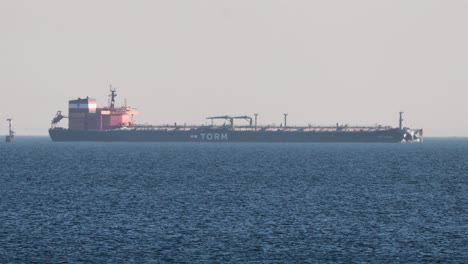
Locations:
87 122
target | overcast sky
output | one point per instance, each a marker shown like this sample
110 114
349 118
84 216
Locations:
358 62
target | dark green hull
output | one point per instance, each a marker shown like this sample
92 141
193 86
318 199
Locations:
225 135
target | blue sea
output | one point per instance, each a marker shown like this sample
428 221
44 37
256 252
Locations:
233 203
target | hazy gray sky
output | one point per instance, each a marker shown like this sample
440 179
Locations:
357 62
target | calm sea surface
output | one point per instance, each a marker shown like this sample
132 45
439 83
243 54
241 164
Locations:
238 203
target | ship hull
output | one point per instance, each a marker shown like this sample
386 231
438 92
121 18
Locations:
207 135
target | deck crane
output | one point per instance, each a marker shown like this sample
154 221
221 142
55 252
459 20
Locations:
57 118
231 119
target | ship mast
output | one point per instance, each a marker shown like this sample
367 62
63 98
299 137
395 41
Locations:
401 121
112 97
256 116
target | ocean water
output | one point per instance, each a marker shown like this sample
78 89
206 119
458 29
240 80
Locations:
233 203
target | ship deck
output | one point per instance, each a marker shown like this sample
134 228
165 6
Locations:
261 128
